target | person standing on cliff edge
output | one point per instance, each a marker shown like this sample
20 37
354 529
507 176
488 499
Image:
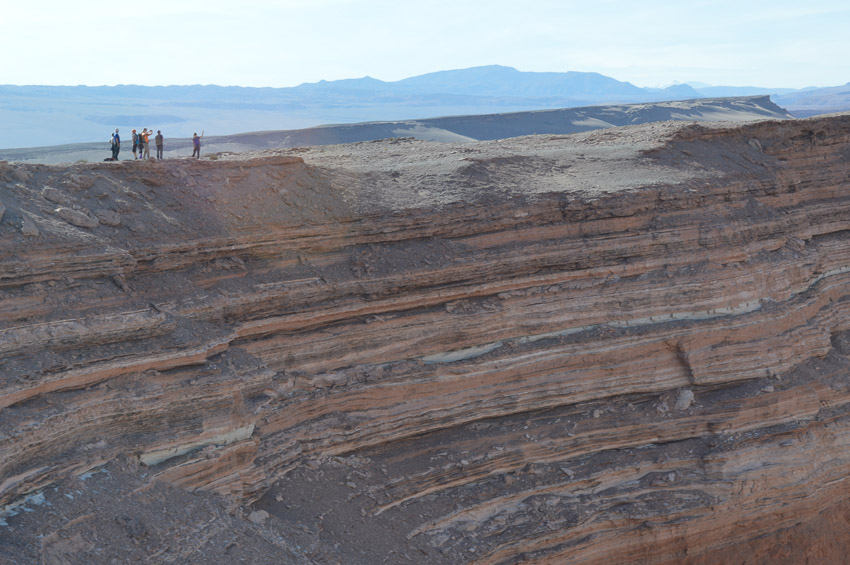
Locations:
116 145
196 144
145 147
158 140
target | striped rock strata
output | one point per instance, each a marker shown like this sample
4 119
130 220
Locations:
616 347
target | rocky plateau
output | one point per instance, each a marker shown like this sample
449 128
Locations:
629 345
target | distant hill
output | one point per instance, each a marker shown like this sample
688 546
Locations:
815 101
448 129
34 116
501 126
725 91
499 81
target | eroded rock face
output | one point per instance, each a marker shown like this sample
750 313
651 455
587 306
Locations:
618 347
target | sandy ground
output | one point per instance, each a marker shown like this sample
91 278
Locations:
407 173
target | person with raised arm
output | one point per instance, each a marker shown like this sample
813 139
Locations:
196 145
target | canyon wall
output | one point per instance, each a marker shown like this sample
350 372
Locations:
625 346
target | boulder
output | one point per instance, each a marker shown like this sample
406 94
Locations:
684 400
28 227
77 218
258 516
55 195
108 217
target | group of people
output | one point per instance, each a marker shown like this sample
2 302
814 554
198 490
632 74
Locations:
141 144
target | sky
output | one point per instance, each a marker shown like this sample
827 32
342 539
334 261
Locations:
278 43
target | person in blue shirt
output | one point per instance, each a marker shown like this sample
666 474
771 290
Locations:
116 145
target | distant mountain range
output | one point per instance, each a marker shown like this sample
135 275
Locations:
53 115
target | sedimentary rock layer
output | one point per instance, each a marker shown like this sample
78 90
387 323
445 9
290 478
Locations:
616 347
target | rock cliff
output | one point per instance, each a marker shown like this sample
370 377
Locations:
623 346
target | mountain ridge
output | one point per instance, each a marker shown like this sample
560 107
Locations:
36 115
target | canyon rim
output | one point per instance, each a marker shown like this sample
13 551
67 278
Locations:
620 346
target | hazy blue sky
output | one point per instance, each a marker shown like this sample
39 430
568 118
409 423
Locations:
285 43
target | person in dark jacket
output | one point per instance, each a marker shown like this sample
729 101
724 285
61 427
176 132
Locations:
196 145
158 140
